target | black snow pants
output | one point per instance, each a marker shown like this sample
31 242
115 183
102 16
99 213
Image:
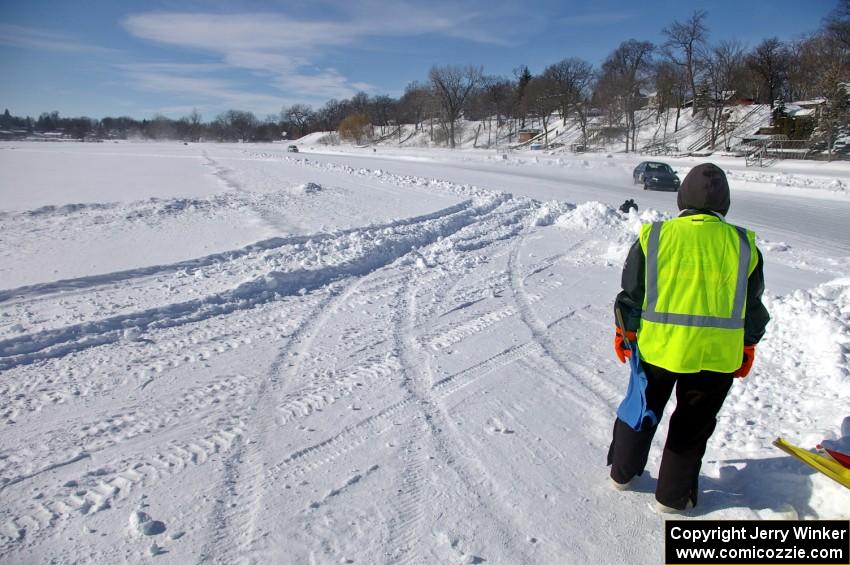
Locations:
699 397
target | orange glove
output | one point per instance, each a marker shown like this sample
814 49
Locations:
620 347
749 357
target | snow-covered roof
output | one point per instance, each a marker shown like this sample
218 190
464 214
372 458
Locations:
809 103
763 137
802 112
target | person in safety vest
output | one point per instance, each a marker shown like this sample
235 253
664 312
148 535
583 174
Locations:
691 312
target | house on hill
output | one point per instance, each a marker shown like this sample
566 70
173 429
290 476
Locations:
13 134
527 134
649 99
798 119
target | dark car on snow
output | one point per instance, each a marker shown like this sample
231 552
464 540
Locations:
656 176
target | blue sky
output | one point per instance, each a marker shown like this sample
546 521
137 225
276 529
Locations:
109 58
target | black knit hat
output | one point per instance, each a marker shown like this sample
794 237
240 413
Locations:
705 188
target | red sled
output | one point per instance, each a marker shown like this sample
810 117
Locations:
842 458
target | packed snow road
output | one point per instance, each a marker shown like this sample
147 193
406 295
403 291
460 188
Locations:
771 208
337 359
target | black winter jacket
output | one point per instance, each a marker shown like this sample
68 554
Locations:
630 300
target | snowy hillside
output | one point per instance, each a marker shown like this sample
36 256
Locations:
232 353
664 132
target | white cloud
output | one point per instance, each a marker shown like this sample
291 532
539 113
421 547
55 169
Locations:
596 18
178 68
201 91
328 83
31 38
286 50
236 32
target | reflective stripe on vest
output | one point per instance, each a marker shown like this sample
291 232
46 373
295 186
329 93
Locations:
733 322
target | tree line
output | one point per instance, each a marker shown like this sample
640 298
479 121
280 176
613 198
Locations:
686 72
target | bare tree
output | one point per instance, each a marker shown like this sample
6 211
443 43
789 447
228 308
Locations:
499 93
491 101
329 116
414 103
47 121
523 77
572 78
383 112
360 103
79 128
300 116
833 74
608 96
581 110
769 62
160 127
238 124
453 85
837 23
804 66
543 101
684 44
724 68
669 93
268 130
626 70
824 60
835 114
195 125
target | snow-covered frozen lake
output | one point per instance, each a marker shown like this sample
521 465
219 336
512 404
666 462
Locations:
234 354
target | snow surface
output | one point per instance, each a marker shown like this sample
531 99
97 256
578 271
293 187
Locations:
234 354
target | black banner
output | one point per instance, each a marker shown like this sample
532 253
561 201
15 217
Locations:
759 542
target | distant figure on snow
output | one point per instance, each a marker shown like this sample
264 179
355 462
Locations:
628 205
689 316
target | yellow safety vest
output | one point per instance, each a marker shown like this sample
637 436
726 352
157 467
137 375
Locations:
697 269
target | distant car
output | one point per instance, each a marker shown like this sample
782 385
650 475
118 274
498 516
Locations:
656 176
292 149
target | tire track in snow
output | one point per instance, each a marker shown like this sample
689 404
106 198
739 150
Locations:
222 409
149 469
29 390
316 391
110 295
248 474
314 456
435 431
450 334
87 283
180 456
222 173
99 489
326 451
232 439
70 287
599 391
380 247
122 427
225 176
306 460
89 491
405 529
447 386
233 517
